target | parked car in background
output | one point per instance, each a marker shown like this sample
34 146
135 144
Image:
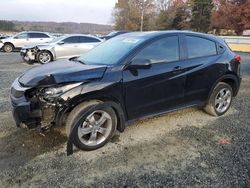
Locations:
62 47
24 38
131 76
56 34
113 34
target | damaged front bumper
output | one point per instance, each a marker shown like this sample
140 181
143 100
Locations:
28 55
24 114
23 110
30 110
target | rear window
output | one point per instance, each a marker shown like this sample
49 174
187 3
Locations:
200 47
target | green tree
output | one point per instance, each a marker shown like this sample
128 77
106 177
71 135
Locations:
182 15
201 14
7 25
120 14
173 15
164 20
128 15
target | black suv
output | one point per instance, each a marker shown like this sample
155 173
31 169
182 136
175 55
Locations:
128 77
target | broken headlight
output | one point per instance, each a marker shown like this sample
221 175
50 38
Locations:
56 91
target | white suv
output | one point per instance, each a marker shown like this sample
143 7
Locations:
24 38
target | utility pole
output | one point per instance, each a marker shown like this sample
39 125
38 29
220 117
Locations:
145 5
142 14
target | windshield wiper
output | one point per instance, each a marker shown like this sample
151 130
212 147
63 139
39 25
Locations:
76 60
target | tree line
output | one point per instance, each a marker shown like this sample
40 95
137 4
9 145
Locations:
6 25
196 15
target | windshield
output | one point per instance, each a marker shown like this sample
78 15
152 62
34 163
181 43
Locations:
111 51
57 39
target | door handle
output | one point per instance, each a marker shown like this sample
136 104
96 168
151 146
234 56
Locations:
177 69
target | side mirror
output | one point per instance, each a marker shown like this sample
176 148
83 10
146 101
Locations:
139 64
60 43
74 58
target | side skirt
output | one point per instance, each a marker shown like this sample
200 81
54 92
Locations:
129 122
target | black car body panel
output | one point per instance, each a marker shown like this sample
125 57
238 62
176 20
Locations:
163 86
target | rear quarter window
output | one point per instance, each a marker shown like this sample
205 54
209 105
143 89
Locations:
200 47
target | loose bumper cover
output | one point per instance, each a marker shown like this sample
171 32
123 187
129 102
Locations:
23 110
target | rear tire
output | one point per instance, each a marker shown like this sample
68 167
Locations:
220 100
8 48
89 135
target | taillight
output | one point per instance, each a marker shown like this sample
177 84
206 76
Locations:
237 58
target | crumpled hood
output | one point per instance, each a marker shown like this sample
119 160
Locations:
7 38
60 72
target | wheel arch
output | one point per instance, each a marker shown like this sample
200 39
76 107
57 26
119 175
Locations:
46 50
230 79
114 103
10 43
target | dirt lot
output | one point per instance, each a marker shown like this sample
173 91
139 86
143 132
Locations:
184 148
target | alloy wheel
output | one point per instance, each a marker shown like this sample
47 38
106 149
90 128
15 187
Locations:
8 48
44 57
96 128
223 100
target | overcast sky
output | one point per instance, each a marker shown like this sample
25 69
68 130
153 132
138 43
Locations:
91 11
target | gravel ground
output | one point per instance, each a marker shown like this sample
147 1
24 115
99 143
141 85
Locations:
187 148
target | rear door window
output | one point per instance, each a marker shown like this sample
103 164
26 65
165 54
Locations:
200 47
70 40
38 35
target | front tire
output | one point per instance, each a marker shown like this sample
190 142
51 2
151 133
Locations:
44 57
220 99
95 129
8 48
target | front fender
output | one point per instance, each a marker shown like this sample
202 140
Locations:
48 48
45 47
88 90
107 91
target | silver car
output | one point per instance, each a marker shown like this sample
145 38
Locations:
62 47
24 38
